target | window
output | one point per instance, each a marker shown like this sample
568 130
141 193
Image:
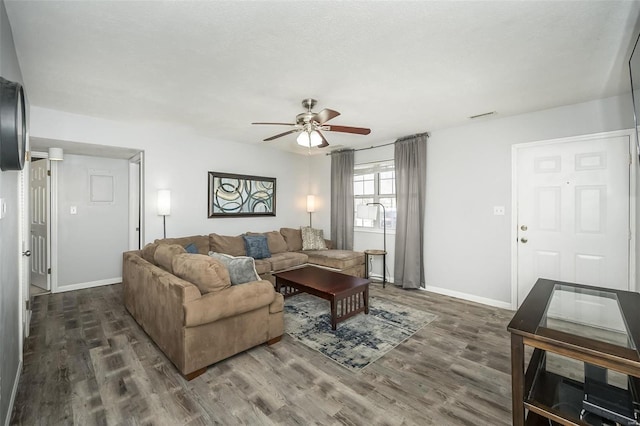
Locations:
375 183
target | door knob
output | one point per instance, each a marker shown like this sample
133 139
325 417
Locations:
523 240
524 227
26 253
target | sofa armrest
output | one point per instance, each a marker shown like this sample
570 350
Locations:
231 301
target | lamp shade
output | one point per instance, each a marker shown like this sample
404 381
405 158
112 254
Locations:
164 202
56 154
367 212
311 203
309 139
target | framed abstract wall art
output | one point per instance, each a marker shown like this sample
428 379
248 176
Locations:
232 195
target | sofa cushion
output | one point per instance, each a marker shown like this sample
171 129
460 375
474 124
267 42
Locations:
237 300
275 241
207 273
293 237
164 255
241 269
287 260
256 246
263 265
312 239
200 241
148 252
338 259
233 246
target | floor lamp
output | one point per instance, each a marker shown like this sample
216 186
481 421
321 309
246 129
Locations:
370 212
373 214
311 206
164 207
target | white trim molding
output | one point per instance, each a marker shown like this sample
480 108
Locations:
80 286
469 297
14 392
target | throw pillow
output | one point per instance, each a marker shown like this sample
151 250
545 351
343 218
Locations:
242 269
275 241
312 239
256 246
164 255
191 248
206 273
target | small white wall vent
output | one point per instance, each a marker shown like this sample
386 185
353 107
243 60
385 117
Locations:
486 114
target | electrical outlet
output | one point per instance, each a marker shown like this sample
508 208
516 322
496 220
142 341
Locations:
73 210
498 210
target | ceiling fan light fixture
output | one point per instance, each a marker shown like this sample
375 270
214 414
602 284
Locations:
315 138
304 139
309 139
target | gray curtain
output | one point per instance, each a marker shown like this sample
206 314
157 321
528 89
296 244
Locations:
411 179
342 199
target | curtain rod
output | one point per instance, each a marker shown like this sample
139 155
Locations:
380 146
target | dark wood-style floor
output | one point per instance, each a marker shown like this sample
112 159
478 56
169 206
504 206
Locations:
87 362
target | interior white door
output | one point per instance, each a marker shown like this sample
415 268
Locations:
38 220
573 213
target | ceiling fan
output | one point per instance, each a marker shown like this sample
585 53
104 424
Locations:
310 125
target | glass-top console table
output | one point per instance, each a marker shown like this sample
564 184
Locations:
584 367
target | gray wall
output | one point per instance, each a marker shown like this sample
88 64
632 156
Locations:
467 248
9 246
91 242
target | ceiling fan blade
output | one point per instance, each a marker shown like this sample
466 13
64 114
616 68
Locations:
281 135
324 116
324 143
278 124
347 129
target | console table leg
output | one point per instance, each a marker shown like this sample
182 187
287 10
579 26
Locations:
517 379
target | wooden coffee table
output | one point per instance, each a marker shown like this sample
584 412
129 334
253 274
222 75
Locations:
348 295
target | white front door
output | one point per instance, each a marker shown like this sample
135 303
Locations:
573 213
38 220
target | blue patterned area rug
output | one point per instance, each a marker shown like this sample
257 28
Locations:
358 341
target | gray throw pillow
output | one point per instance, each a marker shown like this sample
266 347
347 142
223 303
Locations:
312 239
242 269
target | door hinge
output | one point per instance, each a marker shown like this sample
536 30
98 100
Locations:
28 304
27 156
49 271
48 172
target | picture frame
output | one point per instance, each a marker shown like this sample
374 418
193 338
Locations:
235 195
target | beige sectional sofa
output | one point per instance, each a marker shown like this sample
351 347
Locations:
286 252
186 304
196 329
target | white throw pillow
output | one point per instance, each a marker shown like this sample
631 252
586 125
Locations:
312 239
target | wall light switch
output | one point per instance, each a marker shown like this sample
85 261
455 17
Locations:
498 210
73 210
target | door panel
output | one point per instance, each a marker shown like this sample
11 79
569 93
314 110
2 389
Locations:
573 213
38 220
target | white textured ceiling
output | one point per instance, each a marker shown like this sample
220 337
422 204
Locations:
396 67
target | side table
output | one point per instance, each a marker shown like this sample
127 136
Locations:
382 253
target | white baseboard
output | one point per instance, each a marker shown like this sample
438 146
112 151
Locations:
14 392
469 297
90 284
